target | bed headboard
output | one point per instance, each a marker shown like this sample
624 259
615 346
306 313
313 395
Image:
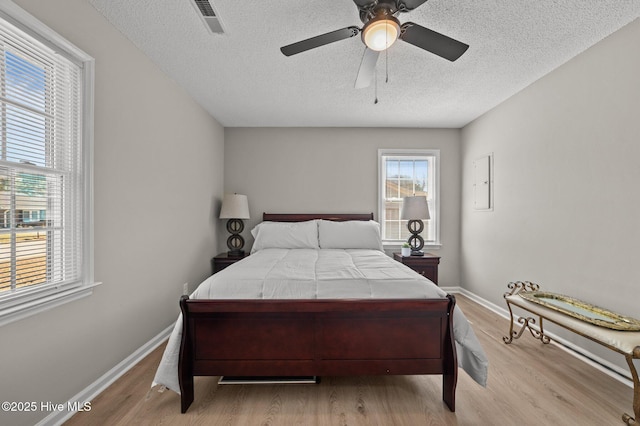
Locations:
301 217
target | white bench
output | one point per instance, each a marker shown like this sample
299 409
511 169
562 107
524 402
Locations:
625 342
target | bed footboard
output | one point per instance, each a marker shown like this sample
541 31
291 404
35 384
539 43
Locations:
317 338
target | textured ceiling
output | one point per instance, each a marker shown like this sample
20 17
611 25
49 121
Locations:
243 80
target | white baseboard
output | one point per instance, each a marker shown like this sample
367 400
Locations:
86 395
610 369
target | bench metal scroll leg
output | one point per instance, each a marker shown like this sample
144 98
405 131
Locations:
636 389
516 287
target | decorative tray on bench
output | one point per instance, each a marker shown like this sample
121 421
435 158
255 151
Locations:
582 310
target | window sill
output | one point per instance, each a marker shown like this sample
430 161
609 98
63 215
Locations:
18 308
397 245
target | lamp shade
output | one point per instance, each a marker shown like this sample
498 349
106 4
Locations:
234 206
414 208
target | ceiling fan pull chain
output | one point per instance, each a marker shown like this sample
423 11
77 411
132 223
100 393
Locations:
386 56
386 64
375 86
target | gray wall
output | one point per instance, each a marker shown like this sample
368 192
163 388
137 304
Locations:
158 179
567 201
316 170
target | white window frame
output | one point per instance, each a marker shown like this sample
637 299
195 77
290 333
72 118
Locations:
434 203
29 301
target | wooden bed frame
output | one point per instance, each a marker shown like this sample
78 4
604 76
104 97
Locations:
317 337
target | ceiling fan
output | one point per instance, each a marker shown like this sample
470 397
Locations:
381 29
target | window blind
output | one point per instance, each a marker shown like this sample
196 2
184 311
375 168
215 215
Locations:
40 164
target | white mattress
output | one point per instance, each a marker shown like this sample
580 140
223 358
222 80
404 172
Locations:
323 274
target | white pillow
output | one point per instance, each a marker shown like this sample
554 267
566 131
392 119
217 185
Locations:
352 234
285 235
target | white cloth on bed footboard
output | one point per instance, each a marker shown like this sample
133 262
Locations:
323 274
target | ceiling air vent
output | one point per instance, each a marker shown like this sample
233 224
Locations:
209 16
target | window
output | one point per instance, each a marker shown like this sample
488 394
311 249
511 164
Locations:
46 94
405 173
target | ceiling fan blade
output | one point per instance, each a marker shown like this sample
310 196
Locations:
364 3
432 41
367 68
321 40
407 5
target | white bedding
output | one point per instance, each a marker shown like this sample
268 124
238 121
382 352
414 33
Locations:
323 274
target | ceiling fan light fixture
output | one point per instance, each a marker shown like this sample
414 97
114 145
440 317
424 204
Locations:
381 32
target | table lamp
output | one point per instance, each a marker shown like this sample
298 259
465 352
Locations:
415 209
235 207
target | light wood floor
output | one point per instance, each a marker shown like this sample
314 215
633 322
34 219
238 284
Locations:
529 384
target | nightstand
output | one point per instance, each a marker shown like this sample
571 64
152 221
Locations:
221 261
426 265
